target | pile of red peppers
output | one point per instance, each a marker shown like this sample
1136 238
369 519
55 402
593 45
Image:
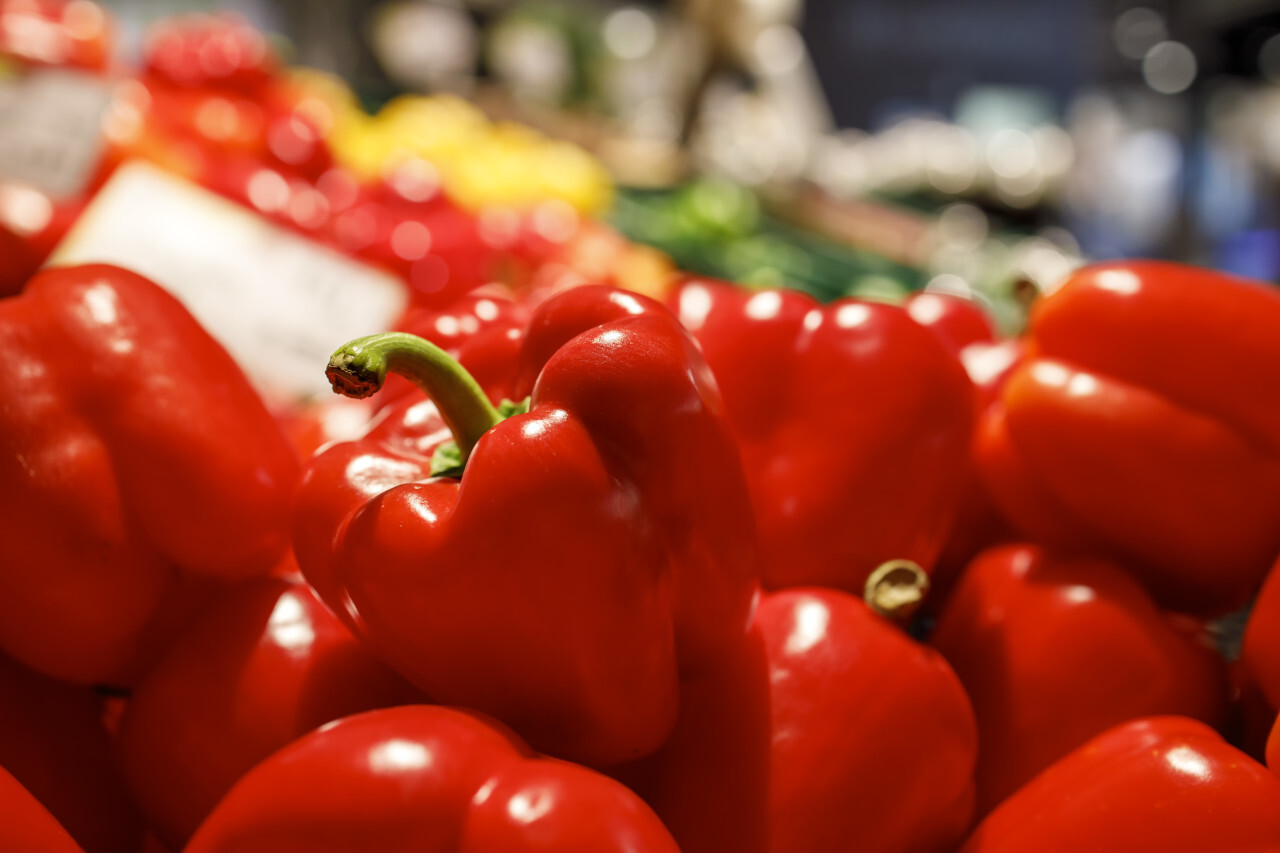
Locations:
605 574
728 572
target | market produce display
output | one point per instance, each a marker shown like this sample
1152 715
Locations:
589 553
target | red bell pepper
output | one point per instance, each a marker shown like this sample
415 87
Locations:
956 321
28 827
874 741
772 751
425 779
978 524
854 424
989 366
52 740
1144 426
135 459
596 549
1160 783
1053 651
267 664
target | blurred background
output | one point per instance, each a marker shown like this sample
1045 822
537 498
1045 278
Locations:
869 147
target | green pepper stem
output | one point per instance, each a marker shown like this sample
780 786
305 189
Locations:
358 369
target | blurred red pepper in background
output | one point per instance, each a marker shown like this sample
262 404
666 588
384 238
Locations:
1054 651
61 47
484 331
425 778
138 461
265 665
31 224
1145 425
854 424
219 110
414 230
1162 783
956 321
202 51
978 524
814 738
56 33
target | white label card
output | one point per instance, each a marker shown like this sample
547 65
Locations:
280 303
51 130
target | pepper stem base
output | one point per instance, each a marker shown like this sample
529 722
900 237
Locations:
896 589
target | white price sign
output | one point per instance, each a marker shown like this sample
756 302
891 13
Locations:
51 130
279 303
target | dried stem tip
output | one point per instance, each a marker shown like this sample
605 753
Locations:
896 589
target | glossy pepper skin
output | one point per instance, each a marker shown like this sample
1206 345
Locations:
1139 427
28 827
596 549
978 525
423 778
52 740
135 457
858 709
956 321
1053 651
1160 783
264 666
812 737
853 421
